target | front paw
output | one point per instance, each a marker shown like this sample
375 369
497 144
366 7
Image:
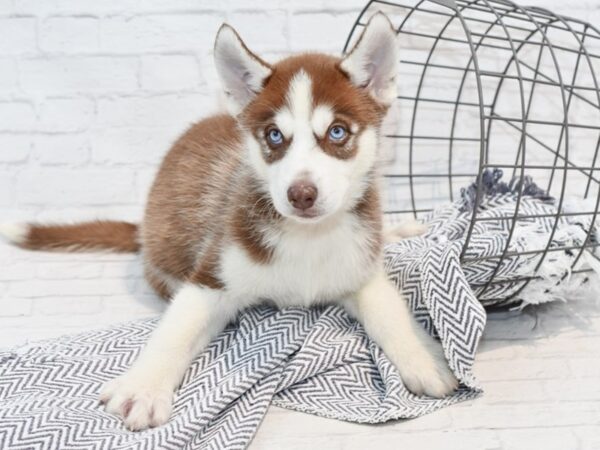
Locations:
426 371
139 400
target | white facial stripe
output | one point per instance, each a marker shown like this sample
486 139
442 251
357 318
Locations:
299 157
321 119
294 117
299 96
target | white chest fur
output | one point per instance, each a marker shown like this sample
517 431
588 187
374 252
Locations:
309 265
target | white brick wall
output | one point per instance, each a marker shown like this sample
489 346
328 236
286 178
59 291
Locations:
92 93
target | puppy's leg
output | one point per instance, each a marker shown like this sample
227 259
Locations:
418 357
143 396
409 228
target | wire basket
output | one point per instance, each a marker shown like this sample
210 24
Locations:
487 85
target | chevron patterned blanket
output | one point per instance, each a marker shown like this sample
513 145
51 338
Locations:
312 360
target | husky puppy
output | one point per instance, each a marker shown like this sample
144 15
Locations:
277 200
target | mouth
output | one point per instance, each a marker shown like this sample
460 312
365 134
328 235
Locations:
307 215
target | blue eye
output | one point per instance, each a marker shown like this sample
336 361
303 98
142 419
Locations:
274 136
337 133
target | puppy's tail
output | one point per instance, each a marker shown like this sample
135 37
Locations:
88 236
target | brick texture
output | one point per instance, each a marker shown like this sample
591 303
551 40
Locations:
92 93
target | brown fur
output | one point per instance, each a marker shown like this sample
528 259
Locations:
369 210
246 223
98 235
189 197
158 284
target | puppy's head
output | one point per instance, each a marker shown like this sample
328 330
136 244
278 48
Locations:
311 121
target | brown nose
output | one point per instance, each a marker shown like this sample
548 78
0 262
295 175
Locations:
302 194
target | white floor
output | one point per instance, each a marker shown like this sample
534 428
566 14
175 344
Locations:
541 373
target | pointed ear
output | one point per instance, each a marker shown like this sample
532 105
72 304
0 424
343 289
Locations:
373 61
242 73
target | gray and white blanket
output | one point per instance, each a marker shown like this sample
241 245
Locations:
313 360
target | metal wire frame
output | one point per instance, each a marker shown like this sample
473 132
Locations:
510 31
